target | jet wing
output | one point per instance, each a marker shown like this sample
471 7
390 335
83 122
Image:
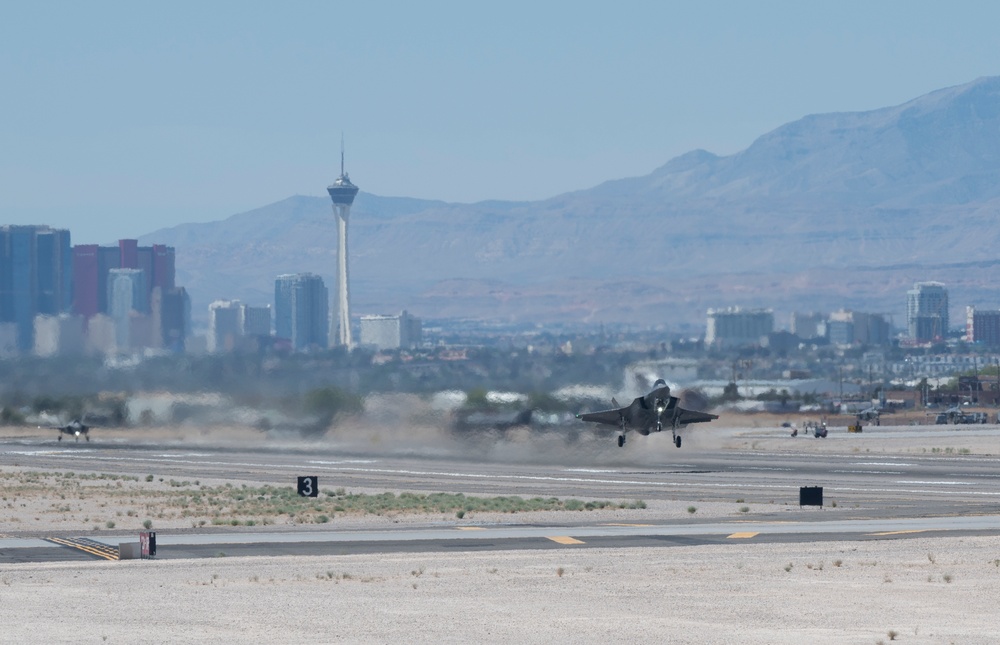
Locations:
685 417
610 417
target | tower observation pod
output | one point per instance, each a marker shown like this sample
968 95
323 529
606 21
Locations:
342 192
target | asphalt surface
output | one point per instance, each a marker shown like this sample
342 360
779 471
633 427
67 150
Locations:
877 496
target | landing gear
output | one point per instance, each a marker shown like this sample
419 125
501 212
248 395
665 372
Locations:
87 437
59 438
621 441
673 431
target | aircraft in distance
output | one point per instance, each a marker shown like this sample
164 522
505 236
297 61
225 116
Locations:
74 428
649 414
870 414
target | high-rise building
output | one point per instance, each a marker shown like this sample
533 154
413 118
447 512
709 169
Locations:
927 311
982 326
86 272
840 327
255 321
342 192
34 277
850 327
126 295
391 332
301 310
230 322
736 326
92 264
808 326
224 329
174 316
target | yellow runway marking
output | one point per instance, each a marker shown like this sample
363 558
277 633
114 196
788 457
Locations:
88 546
902 532
470 528
742 536
565 539
616 524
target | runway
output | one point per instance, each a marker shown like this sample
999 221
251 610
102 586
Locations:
867 495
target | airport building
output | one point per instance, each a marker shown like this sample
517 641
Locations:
35 277
391 332
927 312
301 310
735 327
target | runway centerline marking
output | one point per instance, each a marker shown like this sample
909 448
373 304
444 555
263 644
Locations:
742 536
564 539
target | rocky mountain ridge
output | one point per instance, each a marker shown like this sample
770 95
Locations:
832 210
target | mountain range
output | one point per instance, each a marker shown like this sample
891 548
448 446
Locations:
841 210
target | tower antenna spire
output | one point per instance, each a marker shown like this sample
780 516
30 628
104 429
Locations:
341 154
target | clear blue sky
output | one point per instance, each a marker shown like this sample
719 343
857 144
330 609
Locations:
119 118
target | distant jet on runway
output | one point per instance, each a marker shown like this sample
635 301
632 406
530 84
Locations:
649 414
74 428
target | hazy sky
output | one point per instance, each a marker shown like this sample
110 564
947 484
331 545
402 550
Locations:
122 118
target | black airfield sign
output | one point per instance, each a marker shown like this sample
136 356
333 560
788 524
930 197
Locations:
309 486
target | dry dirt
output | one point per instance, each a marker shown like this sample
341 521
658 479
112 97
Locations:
911 591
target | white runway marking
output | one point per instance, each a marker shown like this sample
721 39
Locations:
883 463
868 472
933 483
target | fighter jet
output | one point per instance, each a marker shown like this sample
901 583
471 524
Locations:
649 414
74 428
871 414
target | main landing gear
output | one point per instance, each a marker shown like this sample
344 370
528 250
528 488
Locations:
621 440
677 441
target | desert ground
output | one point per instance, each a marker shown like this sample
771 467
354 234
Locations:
912 591
923 589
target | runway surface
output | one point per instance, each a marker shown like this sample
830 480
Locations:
876 495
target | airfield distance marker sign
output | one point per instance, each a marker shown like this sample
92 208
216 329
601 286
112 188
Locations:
309 486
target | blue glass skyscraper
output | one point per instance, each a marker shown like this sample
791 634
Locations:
35 276
301 310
